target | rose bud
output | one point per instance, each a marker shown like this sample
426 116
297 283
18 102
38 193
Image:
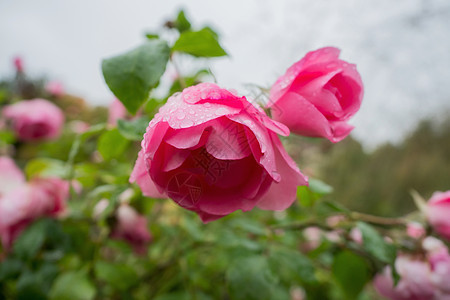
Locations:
18 64
414 284
317 95
438 213
35 119
21 202
212 152
132 228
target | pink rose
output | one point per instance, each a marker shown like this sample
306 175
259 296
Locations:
132 228
21 202
415 283
212 152
35 119
438 213
318 95
117 111
55 88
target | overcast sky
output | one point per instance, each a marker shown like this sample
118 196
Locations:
401 48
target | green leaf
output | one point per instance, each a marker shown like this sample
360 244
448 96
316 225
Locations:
29 286
10 268
375 244
182 23
132 75
319 187
201 43
251 278
72 286
292 264
31 240
119 276
133 130
43 167
112 144
351 272
151 36
308 195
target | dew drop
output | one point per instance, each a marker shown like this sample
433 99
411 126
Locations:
181 115
221 111
186 123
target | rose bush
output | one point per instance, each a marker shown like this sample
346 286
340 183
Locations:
317 95
35 119
212 152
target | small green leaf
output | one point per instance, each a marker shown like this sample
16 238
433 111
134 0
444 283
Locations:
72 286
182 23
319 187
201 43
119 276
351 272
132 75
31 240
10 268
251 278
43 167
151 36
112 144
133 130
375 244
29 286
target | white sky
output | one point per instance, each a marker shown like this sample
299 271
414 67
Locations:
402 47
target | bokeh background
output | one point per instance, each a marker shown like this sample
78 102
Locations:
401 48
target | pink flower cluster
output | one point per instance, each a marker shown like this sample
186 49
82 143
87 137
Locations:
22 202
213 152
36 119
422 277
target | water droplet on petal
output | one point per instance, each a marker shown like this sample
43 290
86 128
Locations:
181 115
186 123
221 111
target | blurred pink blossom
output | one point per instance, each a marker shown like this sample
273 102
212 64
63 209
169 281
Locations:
35 119
132 228
415 230
22 202
55 88
116 112
438 213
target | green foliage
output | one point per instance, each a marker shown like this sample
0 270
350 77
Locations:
133 130
182 23
351 272
375 244
202 43
132 75
112 144
72 286
120 276
251 278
